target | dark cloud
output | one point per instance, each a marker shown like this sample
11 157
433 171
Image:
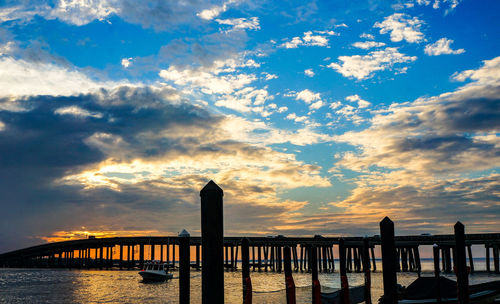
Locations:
48 143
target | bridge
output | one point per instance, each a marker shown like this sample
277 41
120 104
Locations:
266 252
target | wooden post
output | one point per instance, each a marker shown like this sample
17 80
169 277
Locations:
496 258
389 261
316 287
366 268
161 253
435 251
212 240
184 266
167 259
198 257
471 262
121 256
245 272
461 264
344 283
141 256
152 247
260 257
372 250
487 258
417 261
290 285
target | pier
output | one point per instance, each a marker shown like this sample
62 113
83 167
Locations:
266 253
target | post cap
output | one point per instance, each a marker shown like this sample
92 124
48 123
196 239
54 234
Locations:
211 186
184 233
435 245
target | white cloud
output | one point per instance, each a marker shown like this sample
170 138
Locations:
442 46
307 96
309 39
336 104
361 103
402 27
309 72
77 111
362 67
21 77
218 78
316 105
126 62
282 109
294 117
215 11
341 25
241 23
270 76
367 36
365 45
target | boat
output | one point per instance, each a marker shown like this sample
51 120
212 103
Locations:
154 271
356 295
428 289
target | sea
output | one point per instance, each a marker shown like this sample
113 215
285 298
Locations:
125 286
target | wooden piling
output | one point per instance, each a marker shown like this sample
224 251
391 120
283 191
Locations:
141 256
471 262
245 272
366 269
212 238
121 257
290 285
461 264
435 251
344 283
388 261
487 258
184 267
316 287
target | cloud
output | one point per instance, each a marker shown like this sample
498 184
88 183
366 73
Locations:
23 77
309 73
77 111
309 39
363 67
361 103
307 96
442 46
241 23
430 161
365 45
118 159
367 36
401 27
157 14
215 11
126 62
217 78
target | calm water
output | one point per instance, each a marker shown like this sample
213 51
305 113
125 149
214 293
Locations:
92 286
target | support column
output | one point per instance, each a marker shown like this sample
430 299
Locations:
212 238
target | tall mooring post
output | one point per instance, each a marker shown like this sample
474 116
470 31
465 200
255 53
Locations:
389 260
184 265
461 264
212 245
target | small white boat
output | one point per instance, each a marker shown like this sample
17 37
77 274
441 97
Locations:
155 271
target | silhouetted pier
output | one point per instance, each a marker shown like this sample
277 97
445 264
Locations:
266 253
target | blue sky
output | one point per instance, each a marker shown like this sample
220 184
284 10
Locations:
317 117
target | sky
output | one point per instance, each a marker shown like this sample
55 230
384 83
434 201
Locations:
314 117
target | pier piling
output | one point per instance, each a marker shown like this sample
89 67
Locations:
389 261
